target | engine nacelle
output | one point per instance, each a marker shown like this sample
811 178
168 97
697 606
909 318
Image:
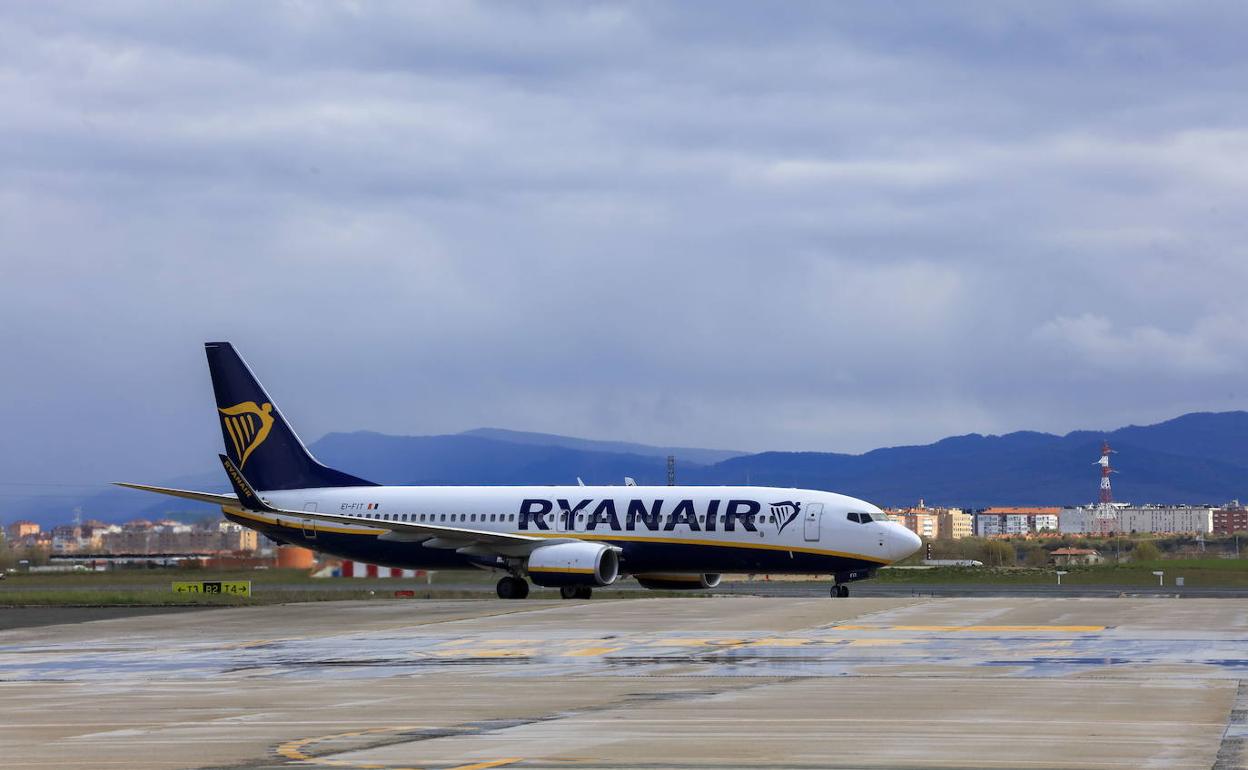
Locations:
570 564
675 581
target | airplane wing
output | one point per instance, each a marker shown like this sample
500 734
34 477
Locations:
431 535
203 497
476 541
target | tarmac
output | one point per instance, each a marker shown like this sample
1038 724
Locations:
732 682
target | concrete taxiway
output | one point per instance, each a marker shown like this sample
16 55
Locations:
682 683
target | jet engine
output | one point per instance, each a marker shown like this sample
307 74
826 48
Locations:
572 564
674 581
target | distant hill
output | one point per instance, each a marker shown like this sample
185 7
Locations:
977 471
471 459
1200 457
682 454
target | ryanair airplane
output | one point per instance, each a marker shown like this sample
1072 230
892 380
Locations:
570 537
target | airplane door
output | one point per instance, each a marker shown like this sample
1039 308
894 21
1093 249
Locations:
814 514
309 525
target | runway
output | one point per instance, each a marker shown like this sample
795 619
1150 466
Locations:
731 682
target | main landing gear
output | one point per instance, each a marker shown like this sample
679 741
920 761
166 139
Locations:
512 587
576 592
840 591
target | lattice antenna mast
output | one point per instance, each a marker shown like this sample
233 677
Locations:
1107 490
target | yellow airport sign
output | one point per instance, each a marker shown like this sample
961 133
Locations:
232 587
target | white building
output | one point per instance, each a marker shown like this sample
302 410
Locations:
994 522
1125 519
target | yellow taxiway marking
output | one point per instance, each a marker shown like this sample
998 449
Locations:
253 643
589 652
502 652
679 642
486 652
980 629
297 750
778 642
492 763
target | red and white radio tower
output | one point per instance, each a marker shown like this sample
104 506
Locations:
1107 491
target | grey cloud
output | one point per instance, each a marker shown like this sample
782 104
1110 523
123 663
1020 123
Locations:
807 226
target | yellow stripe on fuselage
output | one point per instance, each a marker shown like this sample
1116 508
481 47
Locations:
689 541
320 526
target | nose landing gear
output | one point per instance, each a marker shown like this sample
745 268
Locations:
512 587
840 592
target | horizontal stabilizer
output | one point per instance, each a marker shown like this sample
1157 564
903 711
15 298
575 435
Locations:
203 497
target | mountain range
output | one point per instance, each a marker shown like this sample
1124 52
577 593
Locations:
1196 458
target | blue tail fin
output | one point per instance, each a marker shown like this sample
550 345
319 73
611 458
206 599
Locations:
258 439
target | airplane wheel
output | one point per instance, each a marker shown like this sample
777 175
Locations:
584 592
512 588
842 592
570 592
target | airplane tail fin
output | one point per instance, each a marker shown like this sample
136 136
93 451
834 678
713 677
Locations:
258 440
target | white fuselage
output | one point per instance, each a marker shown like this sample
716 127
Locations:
807 522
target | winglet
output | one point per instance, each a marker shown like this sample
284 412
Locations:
246 495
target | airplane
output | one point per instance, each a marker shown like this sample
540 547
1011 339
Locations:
574 538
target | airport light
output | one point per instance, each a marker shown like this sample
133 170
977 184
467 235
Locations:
1060 572
1161 577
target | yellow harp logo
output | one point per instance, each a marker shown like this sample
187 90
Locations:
248 425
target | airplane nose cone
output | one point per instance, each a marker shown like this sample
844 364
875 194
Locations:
905 543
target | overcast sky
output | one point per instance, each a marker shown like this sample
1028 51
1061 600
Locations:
825 226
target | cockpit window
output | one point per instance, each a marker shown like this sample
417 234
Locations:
866 518
853 517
